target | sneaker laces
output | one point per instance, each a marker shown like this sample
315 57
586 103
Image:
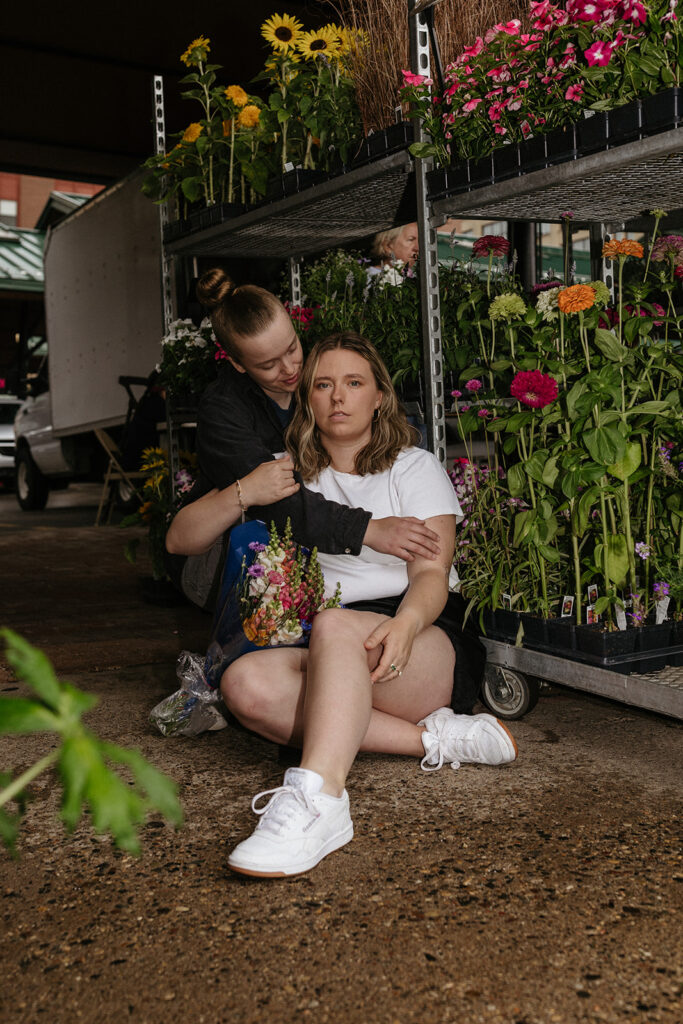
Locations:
435 750
286 803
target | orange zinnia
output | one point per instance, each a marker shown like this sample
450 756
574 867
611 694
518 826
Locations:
621 247
576 298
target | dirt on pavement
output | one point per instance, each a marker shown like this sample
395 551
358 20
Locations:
544 891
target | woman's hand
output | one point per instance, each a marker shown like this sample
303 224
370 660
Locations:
396 637
270 482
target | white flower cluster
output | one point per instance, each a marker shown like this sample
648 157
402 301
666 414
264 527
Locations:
546 304
390 274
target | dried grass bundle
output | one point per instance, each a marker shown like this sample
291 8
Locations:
377 70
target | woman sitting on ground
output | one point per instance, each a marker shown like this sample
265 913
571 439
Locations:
377 668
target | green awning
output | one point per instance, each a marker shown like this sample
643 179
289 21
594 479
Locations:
21 259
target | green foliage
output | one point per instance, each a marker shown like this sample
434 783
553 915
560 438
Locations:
117 806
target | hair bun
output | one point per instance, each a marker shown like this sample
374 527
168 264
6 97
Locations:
214 287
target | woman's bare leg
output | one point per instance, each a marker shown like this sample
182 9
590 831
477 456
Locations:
324 701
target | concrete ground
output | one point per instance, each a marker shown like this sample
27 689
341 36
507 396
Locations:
545 891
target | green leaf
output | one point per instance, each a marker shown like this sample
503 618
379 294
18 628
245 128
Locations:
517 481
33 667
192 189
75 762
422 150
610 345
550 472
586 502
523 524
649 409
551 555
569 482
627 466
536 465
617 558
605 444
18 714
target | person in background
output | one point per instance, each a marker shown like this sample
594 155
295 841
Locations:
397 247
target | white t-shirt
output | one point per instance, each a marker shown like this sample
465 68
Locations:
416 485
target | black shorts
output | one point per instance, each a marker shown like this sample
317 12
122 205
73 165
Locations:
470 653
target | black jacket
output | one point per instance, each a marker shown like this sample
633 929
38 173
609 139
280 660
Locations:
238 429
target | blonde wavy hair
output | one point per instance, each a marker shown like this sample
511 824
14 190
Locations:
391 432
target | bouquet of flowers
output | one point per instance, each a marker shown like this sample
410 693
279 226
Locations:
271 591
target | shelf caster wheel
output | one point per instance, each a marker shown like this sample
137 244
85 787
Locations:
508 694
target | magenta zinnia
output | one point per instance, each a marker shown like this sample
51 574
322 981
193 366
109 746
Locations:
490 245
534 388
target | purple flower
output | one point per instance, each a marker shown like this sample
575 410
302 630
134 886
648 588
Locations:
456 394
255 545
256 571
643 550
660 589
482 414
464 408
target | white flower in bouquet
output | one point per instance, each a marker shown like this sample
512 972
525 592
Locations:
287 634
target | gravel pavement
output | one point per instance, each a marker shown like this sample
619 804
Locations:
545 891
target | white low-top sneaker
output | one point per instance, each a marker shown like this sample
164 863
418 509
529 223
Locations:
299 826
464 739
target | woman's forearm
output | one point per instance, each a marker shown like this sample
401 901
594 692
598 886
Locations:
197 526
426 597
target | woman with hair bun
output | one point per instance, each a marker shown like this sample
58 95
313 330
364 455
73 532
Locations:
376 668
242 420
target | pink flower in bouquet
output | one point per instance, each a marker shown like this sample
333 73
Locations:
599 53
490 245
474 385
534 388
275 577
220 353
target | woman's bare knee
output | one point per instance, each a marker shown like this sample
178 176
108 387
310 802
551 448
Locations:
245 690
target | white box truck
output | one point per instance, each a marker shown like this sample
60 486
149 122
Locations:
104 320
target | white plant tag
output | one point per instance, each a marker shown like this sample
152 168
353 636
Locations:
661 609
620 614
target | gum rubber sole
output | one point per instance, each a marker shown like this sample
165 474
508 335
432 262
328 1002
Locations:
510 736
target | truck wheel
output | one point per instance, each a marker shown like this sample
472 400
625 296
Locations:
32 487
508 694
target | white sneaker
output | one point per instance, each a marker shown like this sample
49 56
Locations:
299 826
464 739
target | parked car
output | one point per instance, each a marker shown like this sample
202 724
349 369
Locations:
9 406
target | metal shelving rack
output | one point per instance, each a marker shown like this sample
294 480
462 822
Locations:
607 189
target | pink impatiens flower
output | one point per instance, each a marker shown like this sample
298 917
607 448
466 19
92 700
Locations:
574 93
599 53
410 79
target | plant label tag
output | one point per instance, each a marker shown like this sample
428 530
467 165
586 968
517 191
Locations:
592 593
661 609
398 114
620 615
507 602
567 606
289 166
591 615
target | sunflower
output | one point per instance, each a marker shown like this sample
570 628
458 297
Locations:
621 247
282 31
318 44
197 51
576 298
192 132
249 116
237 95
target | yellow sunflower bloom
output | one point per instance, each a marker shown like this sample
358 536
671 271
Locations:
621 247
576 298
237 95
192 132
249 116
197 51
321 43
281 31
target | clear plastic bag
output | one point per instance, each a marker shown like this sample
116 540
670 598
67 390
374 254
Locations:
192 709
